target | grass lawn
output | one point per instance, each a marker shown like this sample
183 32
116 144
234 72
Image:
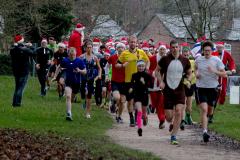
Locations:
47 116
226 119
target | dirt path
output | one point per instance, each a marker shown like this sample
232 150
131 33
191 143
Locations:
157 141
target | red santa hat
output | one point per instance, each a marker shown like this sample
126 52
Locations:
79 27
145 46
107 52
18 38
96 41
185 44
219 44
110 42
124 40
159 43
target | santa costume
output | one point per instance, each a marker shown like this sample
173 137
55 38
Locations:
229 63
156 94
76 39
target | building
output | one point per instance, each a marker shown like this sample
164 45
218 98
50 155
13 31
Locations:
164 27
105 27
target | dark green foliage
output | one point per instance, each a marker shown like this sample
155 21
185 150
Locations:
39 19
5 67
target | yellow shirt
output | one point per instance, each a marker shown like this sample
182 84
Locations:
132 58
193 81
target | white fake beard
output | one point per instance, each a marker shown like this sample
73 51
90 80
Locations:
95 49
82 37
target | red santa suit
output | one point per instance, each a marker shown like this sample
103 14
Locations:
76 39
156 94
229 63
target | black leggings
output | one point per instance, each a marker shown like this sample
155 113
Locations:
87 87
98 92
42 77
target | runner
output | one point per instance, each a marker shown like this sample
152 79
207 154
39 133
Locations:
132 55
57 59
140 83
156 94
94 72
172 68
104 81
230 68
190 87
208 69
73 68
44 56
117 81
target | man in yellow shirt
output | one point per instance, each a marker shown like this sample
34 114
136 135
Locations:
128 59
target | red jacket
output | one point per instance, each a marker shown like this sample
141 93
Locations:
75 41
227 59
153 64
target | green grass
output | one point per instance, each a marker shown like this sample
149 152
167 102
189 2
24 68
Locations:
47 116
226 120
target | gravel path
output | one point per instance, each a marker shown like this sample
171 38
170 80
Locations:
190 147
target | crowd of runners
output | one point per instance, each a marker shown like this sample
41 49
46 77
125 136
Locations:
145 76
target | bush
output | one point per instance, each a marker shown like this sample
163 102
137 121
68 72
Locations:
5 64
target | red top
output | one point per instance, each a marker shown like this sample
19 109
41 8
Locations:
118 74
227 59
75 41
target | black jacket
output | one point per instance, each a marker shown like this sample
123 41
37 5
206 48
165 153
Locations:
43 56
20 55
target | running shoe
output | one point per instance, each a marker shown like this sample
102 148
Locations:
206 137
161 125
174 140
182 125
88 116
139 132
69 117
119 120
132 122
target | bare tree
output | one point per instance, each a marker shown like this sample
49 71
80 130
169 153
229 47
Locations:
205 15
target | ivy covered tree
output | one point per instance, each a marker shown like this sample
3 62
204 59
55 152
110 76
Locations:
37 19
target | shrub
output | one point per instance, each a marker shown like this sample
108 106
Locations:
5 64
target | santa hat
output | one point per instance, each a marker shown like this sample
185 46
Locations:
124 40
18 38
79 27
107 52
140 62
96 41
162 46
44 41
220 44
61 45
110 42
185 44
120 44
145 46
159 43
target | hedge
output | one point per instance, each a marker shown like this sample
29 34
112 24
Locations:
5 64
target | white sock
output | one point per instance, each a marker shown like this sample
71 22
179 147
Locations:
204 130
69 107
